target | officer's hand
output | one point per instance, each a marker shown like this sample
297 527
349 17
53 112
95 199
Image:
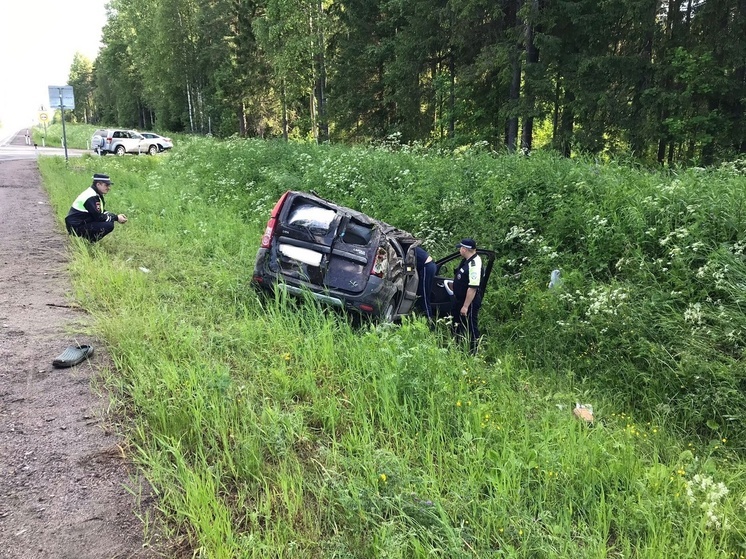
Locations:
464 310
121 218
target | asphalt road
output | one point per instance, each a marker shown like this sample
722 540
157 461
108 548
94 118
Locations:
13 148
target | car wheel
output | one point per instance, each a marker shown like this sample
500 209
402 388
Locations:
390 312
153 149
120 150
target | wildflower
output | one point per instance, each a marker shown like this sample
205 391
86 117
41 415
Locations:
703 488
383 478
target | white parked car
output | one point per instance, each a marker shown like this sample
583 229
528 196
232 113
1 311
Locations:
162 142
120 142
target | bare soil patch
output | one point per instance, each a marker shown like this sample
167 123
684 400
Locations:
63 473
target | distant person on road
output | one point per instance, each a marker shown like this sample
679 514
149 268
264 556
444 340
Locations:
426 269
467 297
28 138
87 217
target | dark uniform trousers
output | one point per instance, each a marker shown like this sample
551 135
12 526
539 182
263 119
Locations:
467 327
94 231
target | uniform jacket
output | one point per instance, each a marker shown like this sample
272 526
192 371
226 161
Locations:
88 208
468 274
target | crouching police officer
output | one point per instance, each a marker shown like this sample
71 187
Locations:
467 297
87 217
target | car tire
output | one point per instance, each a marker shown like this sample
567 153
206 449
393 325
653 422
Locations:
389 312
120 150
153 149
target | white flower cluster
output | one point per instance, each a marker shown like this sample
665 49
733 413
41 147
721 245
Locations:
452 202
597 221
527 236
694 314
678 233
703 490
604 300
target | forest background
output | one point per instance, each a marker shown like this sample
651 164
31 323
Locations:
660 80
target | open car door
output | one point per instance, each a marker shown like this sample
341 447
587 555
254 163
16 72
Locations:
440 300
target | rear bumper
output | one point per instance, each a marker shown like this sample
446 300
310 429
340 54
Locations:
376 294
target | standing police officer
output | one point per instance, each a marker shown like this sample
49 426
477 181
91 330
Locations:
87 217
467 298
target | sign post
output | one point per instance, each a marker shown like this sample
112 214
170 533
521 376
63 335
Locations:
62 96
43 118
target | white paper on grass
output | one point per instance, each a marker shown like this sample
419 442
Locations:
305 255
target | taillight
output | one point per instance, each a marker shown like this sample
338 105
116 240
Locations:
379 264
108 139
366 308
270 230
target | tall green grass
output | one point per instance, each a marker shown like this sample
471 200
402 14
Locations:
271 428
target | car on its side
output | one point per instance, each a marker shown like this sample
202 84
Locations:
345 258
122 141
161 142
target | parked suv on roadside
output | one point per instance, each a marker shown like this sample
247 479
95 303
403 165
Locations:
121 141
346 259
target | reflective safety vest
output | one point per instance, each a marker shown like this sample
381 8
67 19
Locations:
79 203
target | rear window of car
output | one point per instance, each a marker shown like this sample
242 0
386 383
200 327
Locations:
305 214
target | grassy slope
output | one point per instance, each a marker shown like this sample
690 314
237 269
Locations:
272 431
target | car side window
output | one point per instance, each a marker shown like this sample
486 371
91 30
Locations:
447 269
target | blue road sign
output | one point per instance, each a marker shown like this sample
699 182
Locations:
61 96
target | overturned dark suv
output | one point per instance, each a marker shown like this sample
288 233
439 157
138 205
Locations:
343 258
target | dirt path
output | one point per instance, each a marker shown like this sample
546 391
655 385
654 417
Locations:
62 472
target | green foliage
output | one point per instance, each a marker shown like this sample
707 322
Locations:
273 428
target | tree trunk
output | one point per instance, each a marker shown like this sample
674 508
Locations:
241 114
323 125
284 112
452 95
511 132
515 92
532 58
661 150
567 123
